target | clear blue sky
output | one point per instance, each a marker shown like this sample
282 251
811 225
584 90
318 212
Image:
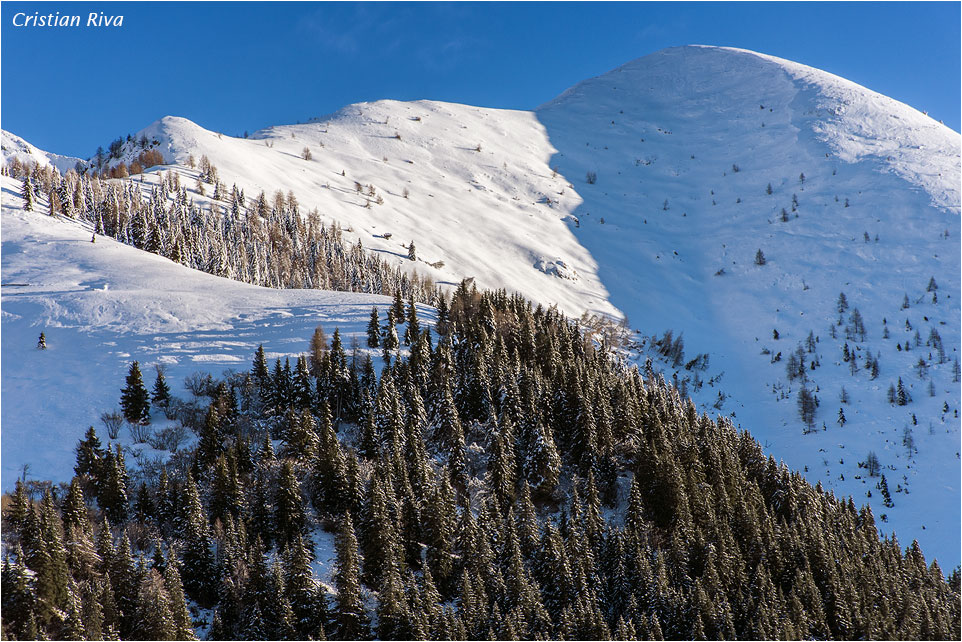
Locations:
233 67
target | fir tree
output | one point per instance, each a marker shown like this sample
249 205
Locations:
134 399
902 396
413 329
112 487
161 394
26 192
291 521
374 330
390 341
351 619
183 625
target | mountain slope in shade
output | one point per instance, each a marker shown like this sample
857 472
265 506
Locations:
102 305
701 157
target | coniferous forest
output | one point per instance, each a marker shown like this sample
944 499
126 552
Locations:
265 241
500 478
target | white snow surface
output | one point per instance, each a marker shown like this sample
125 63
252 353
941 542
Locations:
12 146
103 305
684 144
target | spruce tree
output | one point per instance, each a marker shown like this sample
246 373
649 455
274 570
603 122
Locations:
398 306
90 455
291 520
259 368
390 341
308 604
154 619
161 394
351 619
112 487
374 330
26 192
134 399
902 396
199 572
413 329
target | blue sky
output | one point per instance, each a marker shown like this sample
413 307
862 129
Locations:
233 67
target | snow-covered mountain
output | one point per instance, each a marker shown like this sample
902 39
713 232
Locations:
12 146
646 194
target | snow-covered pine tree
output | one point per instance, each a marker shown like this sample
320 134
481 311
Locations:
26 192
374 329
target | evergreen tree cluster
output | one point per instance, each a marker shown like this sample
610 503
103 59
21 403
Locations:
264 241
504 479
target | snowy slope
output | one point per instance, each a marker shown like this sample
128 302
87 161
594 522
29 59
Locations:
496 215
664 135
102 305
684 144
12 146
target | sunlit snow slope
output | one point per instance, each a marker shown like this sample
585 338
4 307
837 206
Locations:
683 146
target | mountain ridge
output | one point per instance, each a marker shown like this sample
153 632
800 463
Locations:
705 168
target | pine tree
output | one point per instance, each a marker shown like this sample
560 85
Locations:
112 487
413 329
183 625
161 394
412 252
902 396
351 619
390 341
42 342
26 192
134 399
308 605
291 521
374 330
153 619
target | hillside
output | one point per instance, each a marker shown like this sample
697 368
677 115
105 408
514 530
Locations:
502 478
700 157
102 305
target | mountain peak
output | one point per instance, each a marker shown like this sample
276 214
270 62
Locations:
683 89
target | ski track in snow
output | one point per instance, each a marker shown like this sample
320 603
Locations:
683 143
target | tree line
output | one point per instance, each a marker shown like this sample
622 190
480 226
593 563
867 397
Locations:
264 241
